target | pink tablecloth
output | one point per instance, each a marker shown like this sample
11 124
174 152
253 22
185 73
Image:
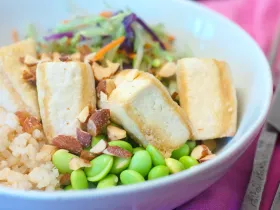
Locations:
259 18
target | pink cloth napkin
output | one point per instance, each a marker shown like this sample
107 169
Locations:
259 18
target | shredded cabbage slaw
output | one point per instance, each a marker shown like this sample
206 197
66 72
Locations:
142 46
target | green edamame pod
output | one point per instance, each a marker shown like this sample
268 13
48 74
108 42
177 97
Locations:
100 167
110 180
156 156
188 161
131 177
141 162
68 187
61 159
119 165
79 180
137 149
184 150
158 171
174 165
122 144
191 144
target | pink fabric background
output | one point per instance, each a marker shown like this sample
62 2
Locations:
259 18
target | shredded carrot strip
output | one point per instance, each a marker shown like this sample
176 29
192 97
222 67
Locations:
167 46
65 21
147 46
100 54
171 38
131 55
68 42
106 14
15 36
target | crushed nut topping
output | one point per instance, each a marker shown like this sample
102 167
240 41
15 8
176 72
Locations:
83 137
84 114
105 86
97 121
200 151
56 56
168 70
22 115
30 124
30 60
101 72
87 155
76 56
29 74
77 163
117 151
115 133
65 58
99 147
207 157
68 143
84 50
64 180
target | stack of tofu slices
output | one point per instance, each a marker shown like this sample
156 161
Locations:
71 96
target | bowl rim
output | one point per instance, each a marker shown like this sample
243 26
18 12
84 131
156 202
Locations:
152 184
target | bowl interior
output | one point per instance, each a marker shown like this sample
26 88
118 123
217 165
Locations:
206 34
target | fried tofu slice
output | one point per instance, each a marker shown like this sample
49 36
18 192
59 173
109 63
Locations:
143 106
208 97
19 49
64 90
15 93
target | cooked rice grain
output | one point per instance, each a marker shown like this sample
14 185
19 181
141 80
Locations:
22 165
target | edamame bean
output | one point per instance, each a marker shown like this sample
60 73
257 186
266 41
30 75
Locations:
100 167
96 139
122 144
188 161
110 180
156 156
79 180
68 187
61 159
158 171
119 165
131 177
191 144
137 149
184 150
174 165
141 162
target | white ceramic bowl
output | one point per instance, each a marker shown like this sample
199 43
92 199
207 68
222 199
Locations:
209 35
